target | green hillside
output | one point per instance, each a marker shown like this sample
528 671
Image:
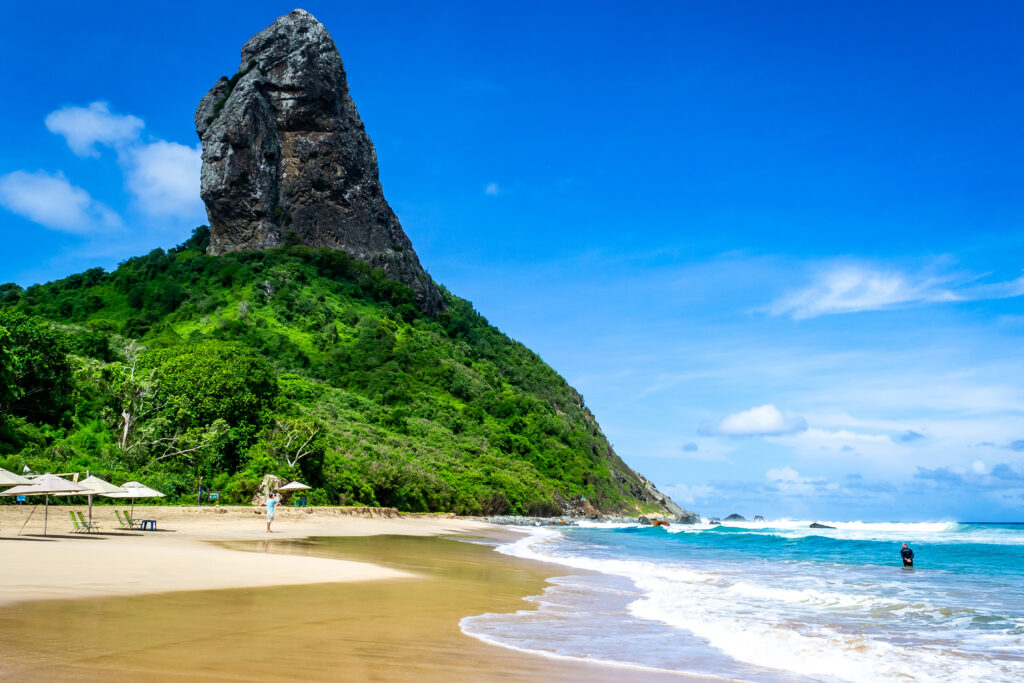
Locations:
298 362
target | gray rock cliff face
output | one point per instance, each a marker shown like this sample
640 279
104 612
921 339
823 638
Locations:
284 151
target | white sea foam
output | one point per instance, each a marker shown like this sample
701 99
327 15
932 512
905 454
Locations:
796 620
947 532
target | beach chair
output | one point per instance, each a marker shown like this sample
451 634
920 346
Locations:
125 520
86 525
78 528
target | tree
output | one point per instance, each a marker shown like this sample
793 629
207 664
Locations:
295 439
134 391
158 442
38 362
9 369
212 380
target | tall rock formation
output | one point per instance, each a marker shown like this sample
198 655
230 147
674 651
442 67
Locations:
286 157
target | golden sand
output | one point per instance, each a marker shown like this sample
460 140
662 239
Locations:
366 605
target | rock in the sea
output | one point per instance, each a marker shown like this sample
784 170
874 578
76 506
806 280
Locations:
735 518
286 158
815 525
759 518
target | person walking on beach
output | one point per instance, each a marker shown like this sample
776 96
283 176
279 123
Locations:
272 502
906 553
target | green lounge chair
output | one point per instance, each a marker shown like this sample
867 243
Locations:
86 525
126 521
78 525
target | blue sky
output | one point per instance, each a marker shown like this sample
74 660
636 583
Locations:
777 246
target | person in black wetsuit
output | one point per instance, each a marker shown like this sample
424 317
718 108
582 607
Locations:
908 556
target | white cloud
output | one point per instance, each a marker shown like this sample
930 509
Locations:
766 420
164 176
851 288
55 203
681 493
83 127
492 189
790 482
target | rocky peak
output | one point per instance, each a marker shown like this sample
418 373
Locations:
286 158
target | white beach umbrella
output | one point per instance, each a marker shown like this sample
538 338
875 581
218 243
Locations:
12 479
133 490
45 485
295 486
94 486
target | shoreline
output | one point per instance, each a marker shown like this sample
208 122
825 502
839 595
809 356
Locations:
380 598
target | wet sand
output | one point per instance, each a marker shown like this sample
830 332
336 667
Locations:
397 622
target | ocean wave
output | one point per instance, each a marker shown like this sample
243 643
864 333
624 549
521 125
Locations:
790 618
945 532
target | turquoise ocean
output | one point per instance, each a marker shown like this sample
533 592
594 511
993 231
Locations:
777 601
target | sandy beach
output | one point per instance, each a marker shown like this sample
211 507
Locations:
178 555
211 595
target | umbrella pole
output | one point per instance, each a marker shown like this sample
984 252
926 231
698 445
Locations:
46 513
27 520
90 509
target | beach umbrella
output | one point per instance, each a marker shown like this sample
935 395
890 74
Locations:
12 479
94 486
133 490
295 486
45 485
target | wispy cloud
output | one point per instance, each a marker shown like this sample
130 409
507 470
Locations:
1004 477
789 482
766 420
852 288
492 189
53 202
85 127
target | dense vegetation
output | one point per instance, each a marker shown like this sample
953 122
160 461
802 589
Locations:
298 362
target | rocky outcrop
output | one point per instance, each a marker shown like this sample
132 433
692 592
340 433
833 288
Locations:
270 484
735 517
815 525
641 488
286 158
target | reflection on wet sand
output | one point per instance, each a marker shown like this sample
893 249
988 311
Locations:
373 631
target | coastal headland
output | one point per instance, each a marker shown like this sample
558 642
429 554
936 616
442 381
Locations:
332 594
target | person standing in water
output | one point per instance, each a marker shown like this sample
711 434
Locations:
272 502
906 553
